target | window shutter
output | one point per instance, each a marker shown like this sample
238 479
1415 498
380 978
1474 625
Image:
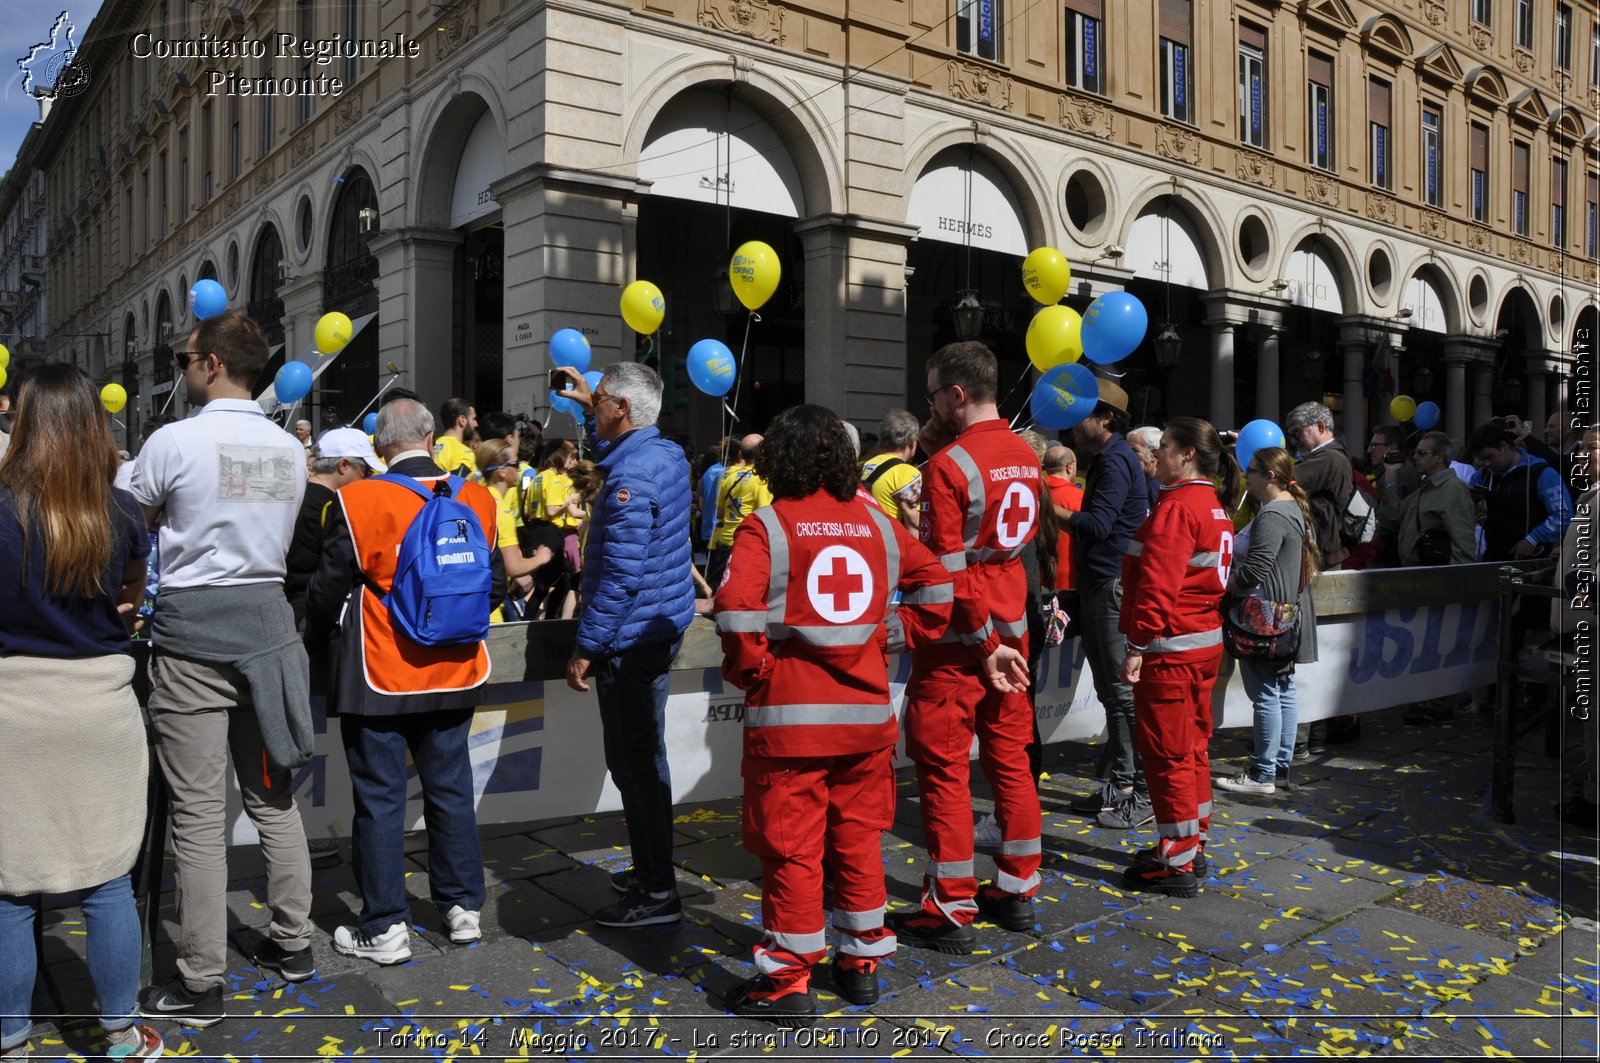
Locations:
1252 36
1175 20
1480 148
1378 101
1088 8
1519 168
1319 68
1558 183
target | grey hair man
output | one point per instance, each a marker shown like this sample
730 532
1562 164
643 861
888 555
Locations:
1144 440
638 599
1324 474
895 483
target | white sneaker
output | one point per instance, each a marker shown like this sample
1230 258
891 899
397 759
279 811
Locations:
462 924
986 833
1243 784
391 946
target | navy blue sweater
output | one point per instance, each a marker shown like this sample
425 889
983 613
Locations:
1115 503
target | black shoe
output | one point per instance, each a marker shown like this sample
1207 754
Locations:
925 931
1200 868
1161 879
1577 812
638 908
175 1002
853 984
1095 801
1343 729
792 1011
624 880
1302 751
290 966
1317 738
1009 911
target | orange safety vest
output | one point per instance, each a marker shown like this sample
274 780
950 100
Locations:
378 515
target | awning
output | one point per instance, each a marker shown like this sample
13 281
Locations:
991 219
483 162
1312 283
1422 298
702 149
1158 242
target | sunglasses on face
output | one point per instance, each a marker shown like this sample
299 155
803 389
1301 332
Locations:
183 358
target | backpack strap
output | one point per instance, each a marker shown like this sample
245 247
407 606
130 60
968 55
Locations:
882 468
411 484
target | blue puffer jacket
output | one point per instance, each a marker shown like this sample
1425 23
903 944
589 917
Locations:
637 588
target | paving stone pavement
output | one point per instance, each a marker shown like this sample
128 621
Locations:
1373 908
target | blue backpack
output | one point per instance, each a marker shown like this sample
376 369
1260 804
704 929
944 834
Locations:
440 594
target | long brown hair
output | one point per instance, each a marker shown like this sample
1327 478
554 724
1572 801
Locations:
1214 463
59 469
1280 467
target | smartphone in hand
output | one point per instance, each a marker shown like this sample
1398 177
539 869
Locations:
559 381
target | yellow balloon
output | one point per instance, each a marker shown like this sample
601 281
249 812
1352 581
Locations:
1055 337
2 376
113 397
1402 407
643 307
5 356
333 332
754 274
1046 275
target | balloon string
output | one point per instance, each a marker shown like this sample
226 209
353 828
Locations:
375 398
170 393
738 383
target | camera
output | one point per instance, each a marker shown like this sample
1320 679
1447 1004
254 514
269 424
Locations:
559 381
1394 457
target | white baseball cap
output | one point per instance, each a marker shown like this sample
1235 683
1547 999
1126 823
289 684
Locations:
349 443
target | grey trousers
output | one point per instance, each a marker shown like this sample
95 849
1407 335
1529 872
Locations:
1100 607
202 712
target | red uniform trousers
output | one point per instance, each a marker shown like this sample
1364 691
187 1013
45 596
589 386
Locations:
947 702
804 815
1172 726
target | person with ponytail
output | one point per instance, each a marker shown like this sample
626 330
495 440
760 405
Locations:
1173 576
1282 549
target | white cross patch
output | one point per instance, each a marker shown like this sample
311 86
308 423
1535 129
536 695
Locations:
839 585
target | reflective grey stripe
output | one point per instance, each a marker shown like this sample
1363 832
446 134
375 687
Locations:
891 547
741 621
937 594
823 634
980 636
950 869
868 920
1189 828
989 553
778 579
1015 628
854 946
1013 884
1179 853
1178 643
813 715
1205 559
1134 548
974 521
930 892
897 633
1022 847
801 943
954 562
1205 809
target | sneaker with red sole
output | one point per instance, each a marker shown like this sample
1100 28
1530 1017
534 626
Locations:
1158 878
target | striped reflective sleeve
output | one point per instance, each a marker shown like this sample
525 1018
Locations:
1021 847
1013 628
798 943
1013 884
1205 559
824 634
891 549
950 869
778 578
871 919
954 562
1187 829
980 636
974 518
854 946
895 629
936 594
741 622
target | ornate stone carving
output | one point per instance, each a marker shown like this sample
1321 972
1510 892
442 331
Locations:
1434 12
1083 114
456 27
1433 223
755 19
1594 99
347 113
1524 59
262 180
230 202
1320 189
1256 168
302 147
979 84
1522 252
1482 39
1178 142
1563 81
1380 207
1478 237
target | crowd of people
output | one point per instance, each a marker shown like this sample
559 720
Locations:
261 563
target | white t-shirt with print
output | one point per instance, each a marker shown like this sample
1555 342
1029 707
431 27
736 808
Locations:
230 483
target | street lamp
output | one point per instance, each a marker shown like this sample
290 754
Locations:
1168 345
967 316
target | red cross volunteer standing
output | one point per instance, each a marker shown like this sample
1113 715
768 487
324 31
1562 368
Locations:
806 623
980 508
1173 576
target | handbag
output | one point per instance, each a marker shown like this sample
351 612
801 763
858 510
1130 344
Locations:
1255 628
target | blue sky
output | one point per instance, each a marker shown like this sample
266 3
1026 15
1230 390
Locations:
27 23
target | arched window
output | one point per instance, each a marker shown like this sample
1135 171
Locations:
264 306
351 267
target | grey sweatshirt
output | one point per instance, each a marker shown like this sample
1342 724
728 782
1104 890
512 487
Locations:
1277 541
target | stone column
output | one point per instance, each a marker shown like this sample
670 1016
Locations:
1536 389
1353 351
302 306
1455 397
1268 366
1482 404
416 286
1222 375
855 314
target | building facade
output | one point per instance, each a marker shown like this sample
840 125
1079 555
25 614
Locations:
1324 198
24 308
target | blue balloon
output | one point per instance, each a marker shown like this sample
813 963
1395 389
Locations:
1113 326
711 367
293 382
1064 396
592 378
570 407
1427 415
1257 435
369 424
207 298
568 347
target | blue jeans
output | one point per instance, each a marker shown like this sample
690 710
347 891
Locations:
1276 713
375 748
113 923
632 688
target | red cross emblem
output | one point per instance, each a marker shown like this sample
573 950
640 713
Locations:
1225 558
1018 510
839 584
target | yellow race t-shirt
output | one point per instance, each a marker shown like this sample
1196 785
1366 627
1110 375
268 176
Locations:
449 453
898 486
554 490
742 493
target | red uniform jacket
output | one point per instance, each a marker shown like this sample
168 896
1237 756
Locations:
806 622
1174 573
980 509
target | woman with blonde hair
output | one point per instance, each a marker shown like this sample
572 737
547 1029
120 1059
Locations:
73 769
1278 567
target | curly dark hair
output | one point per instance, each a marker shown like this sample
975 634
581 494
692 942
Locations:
805 450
